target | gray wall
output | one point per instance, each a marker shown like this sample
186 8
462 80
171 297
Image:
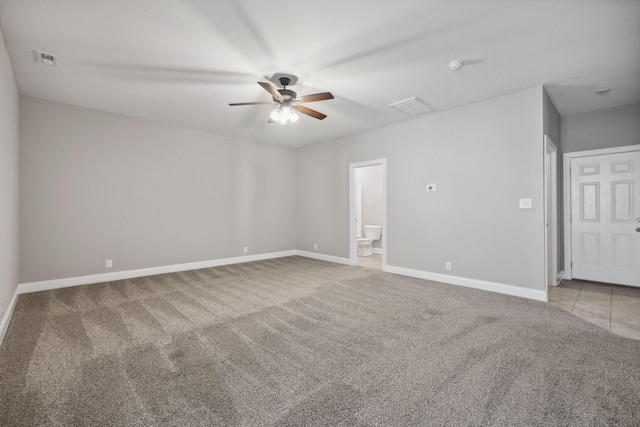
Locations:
97 186
8 178
551 126
614 127
370 179
551 120
482 157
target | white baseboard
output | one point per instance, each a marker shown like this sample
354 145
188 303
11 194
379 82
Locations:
323 257
377 251
559 277
535 294
46 285
4 324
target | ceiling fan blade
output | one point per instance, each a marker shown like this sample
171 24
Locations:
309 112
315 97
252 103
272 90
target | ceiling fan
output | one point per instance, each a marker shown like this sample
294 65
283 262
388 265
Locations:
288 101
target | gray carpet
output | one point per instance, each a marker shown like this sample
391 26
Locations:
299 342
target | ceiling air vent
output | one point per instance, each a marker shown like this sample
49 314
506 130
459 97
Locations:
46 59
413 106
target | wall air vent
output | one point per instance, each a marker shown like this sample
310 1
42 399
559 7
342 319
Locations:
413 106
46 58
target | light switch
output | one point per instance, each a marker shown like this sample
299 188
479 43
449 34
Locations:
525 203
431 188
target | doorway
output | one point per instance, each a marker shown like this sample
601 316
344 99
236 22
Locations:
367 211
602 201
551 211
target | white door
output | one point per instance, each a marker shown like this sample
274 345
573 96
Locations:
605 218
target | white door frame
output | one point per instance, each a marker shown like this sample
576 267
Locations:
353 242
550 182
566 196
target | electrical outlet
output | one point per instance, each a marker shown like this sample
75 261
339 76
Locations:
315 246
109 263
447 265
524 203
246 249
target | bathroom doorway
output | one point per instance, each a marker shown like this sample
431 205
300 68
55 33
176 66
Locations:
368 213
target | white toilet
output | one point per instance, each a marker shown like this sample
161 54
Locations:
371 232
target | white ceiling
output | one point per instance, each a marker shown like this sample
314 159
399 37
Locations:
183 61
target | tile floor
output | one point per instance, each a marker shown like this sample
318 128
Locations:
613 307
371 261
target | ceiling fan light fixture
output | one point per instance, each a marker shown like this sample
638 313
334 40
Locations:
276 115
286 113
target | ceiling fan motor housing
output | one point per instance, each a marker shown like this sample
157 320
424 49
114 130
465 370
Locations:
287 94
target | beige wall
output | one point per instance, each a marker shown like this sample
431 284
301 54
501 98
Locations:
97 186
482 158
8 179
